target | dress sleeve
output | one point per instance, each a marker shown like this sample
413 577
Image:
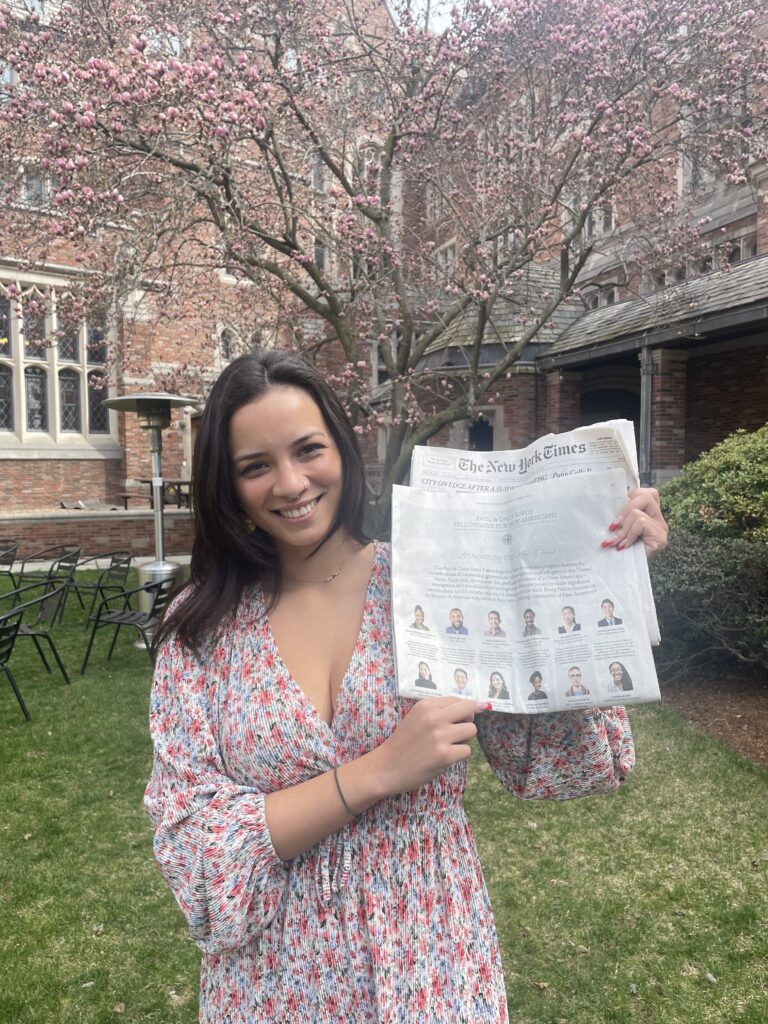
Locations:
211 837
558 756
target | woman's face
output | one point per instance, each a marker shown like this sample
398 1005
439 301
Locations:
536 682
616 671
418 616
424 670
287 469
568 617
496 681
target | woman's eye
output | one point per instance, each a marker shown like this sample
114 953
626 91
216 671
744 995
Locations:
311 449
253 469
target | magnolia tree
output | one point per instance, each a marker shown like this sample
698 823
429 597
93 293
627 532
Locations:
372 183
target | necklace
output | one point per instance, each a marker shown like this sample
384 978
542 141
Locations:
326 579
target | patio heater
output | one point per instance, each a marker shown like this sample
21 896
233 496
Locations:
153 410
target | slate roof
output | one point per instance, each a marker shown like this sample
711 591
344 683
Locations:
504 327
742 285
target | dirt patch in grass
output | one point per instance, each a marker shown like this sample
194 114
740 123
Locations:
728 702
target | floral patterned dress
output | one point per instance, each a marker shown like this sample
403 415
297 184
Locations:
386 921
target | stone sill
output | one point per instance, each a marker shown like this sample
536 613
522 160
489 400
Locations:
83 515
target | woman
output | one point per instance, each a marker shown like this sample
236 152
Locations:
309 822
537 693
570 625
497 690
418 619
620 678
424 678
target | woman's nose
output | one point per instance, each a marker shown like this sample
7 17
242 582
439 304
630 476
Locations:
289 481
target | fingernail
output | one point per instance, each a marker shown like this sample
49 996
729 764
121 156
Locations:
616 525
489 706
621 546
606 544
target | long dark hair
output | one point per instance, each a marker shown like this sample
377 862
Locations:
626 678
227 556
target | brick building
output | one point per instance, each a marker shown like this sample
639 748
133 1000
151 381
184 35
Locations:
687 355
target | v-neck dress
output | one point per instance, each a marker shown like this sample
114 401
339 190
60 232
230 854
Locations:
386 921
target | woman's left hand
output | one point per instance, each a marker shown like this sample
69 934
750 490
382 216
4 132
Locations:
640 518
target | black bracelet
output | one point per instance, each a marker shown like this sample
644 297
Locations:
347 808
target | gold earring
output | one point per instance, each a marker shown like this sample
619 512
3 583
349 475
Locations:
249 524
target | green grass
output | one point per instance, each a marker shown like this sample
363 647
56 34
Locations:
613 909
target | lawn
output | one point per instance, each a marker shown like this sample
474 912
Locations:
649 906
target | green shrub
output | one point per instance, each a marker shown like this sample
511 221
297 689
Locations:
711 598
723 493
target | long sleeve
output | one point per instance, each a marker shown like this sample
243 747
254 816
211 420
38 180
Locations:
558 756
211 838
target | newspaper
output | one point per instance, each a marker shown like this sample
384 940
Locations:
599 447
501 591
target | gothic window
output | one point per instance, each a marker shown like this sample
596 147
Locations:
6 347
69 400
227 344
98 413
45 360
97 345
319 253
36 393
69 346
6 398
34 335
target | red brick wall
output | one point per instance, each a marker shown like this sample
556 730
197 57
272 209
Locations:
561 402
725 392
668 419
99 532
42 483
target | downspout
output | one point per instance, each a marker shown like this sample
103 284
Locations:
646 395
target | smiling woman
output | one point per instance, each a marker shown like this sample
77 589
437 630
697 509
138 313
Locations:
309 822
291 488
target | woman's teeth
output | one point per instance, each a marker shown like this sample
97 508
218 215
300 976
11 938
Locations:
297 513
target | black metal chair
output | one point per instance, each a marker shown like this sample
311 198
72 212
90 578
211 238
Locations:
46 609
8 549
9 630
112 579
63 560
117 611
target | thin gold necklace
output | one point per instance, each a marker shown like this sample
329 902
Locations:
328 579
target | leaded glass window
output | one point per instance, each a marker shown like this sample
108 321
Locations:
98 414
6 342
69 400
34 335
6 398
97 346
36 391
69 346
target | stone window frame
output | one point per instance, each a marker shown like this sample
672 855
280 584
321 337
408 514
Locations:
49 432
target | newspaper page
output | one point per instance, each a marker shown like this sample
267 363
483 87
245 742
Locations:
510 598
592 449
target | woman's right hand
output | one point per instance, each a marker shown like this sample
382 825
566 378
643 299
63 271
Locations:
433 735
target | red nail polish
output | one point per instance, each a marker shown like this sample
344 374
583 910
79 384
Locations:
615 525
620 547
606 544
